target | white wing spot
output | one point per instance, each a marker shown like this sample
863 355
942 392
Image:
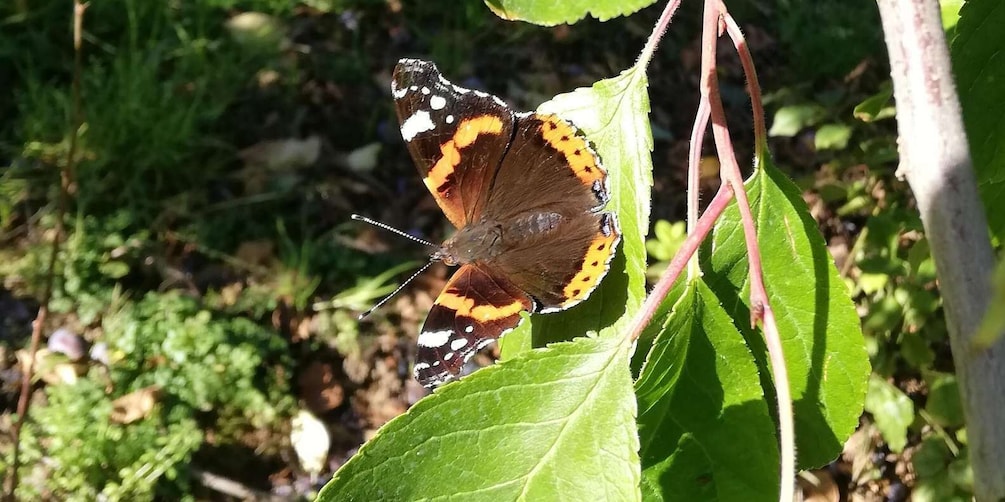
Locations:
425 90
448 356
399 93
414 88
469 328
484 343
450 119
421 366
436 363
434 339
458 344
419 122
437 102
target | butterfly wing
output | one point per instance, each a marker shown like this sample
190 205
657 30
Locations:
457 137
552 178
475 308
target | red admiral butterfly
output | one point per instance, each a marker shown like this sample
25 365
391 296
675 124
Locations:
526 193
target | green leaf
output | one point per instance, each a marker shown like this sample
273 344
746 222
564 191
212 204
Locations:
821 337
877 106
704 426
613 115
993 325
932 457
892 410
563 11
944 405
950 10
789 120
552 424
832 137
979 66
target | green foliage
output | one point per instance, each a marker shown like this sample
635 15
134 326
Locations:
979 69
93 260
73 449
233 367
566 11
148 99
822 338
699 397
892 411
827 39
667 239
943 474
568 410
200 362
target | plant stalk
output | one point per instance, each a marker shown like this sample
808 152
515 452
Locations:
935 159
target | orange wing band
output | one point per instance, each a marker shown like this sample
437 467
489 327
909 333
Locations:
437 178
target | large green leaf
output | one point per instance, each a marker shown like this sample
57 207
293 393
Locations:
979 64
704 426
613 114
551 424
555 12
824 349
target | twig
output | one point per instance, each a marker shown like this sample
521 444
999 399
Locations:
935 159
760 307
233 488
680 259
66 176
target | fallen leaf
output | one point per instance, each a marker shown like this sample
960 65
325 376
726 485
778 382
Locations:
136 405
283 154
364 158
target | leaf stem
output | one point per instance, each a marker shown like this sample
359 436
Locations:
694 239
760 307
658 31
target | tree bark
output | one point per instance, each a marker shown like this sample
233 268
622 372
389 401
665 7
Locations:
935 159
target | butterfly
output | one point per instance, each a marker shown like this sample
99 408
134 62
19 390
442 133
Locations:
526 192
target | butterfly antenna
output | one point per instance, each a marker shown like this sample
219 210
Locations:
391 229
396 290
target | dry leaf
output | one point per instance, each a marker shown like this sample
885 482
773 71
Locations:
282 154
136 405
364 158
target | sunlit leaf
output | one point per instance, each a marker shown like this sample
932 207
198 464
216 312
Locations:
551 424
821 337
892 411
563 11
789 120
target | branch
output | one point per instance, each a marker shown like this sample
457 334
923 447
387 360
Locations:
65 183
935 159
760 306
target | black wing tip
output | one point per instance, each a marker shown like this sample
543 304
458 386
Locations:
413 65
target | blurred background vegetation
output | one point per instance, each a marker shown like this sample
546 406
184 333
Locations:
206 291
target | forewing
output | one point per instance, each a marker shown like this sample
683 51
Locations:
456 136
552 185
549 167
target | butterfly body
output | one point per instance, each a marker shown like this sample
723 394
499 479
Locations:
526 192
